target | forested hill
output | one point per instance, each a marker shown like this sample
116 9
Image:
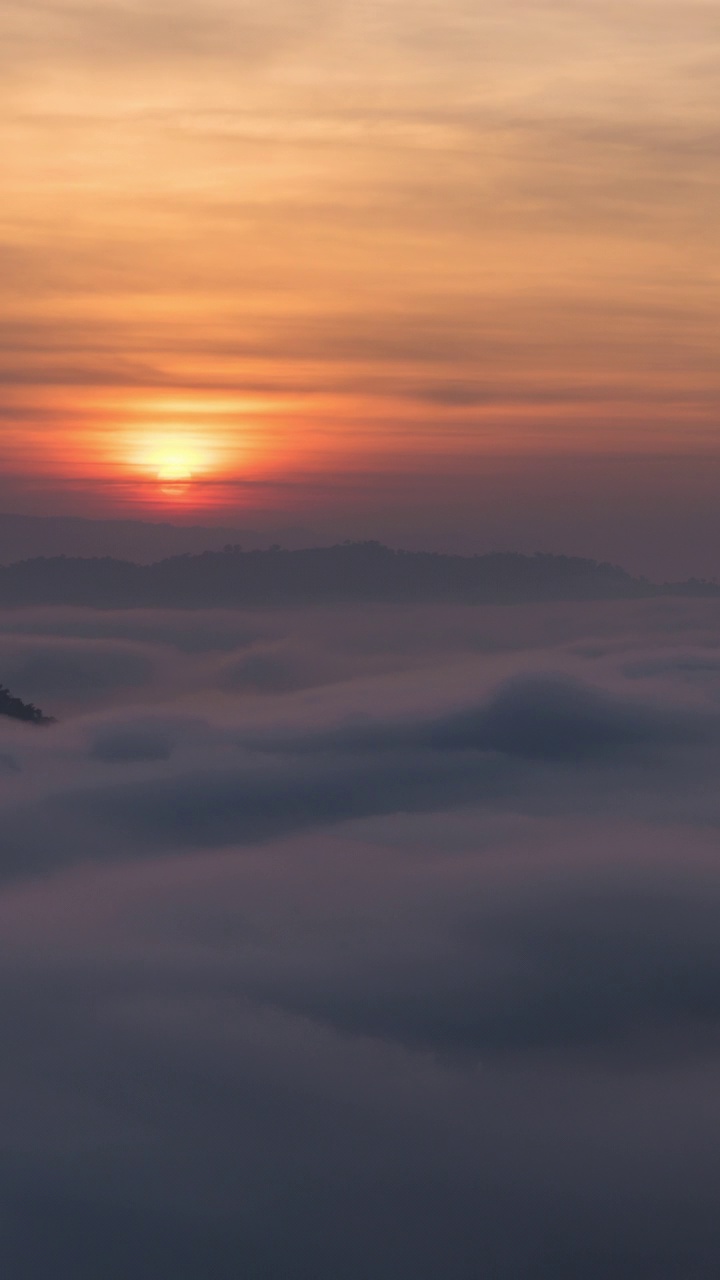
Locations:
366 571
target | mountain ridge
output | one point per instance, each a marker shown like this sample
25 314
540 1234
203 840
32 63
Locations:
350 571
24 537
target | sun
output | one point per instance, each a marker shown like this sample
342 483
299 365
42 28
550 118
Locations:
176 466
173 458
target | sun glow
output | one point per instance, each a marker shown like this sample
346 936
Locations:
187 460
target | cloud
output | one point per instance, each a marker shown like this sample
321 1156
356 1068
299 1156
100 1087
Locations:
132 743
290 1046
590 956
685 666
75 672
557 719
381 977
280 670
158 32
536 717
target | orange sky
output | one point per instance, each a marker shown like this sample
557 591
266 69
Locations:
305 238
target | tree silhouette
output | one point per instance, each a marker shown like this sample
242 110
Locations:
19 710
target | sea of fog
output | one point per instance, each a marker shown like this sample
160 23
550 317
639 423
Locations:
362 943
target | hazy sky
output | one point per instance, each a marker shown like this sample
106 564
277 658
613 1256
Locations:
305 249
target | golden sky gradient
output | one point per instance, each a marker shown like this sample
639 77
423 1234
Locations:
305 237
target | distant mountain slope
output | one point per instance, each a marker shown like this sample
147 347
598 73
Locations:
26 537
352 571
18 710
